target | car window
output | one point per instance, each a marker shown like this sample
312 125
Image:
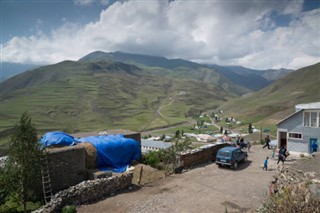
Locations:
224 154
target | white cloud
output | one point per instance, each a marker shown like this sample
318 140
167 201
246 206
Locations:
222 32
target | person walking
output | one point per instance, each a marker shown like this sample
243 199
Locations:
265 164
267 141
281 156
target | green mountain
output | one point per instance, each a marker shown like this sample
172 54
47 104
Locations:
251 80
106 94
147 60
276 101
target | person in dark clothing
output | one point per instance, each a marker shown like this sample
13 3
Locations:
284 153
281 156
267 141
238 141
242 143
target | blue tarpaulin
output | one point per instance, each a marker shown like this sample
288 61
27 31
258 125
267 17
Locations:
57 138
114 152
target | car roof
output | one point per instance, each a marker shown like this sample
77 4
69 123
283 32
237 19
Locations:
228 148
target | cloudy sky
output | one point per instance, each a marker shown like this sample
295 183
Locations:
258 34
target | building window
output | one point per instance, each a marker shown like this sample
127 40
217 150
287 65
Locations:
295 135
306 118
313 119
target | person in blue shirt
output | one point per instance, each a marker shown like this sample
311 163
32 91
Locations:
265 164
314 146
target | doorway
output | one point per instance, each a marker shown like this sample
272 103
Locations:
282 139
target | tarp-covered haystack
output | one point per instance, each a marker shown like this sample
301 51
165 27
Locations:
113 152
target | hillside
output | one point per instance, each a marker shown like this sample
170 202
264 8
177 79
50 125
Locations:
86 95
270 74
251 80
276 101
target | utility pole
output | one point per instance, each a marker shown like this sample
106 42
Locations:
260 134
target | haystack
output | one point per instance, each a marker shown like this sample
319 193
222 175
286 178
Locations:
90 155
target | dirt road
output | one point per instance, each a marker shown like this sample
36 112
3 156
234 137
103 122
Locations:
206 188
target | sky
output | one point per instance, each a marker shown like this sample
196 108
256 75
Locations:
258 34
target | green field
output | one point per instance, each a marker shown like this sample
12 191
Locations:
270 105
92 96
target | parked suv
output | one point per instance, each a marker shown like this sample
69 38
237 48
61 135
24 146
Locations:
230 156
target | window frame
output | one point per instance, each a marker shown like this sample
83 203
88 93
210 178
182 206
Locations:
309 119
299 133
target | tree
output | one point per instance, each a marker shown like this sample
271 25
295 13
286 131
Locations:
22 170
163 136
177 135
250 129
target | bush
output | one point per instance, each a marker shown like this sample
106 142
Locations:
163 159
11 205
69 209
290 200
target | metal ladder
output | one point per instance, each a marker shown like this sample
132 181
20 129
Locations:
46 182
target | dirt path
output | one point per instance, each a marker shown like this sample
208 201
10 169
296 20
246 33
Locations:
203 189
161 107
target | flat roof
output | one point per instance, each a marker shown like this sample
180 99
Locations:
155 144
315 105
109 132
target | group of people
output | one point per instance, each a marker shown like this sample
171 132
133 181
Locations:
282 154
240 143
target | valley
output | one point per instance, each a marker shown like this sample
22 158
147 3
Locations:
140 93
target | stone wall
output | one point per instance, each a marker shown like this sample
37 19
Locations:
199 156
87 192
66 167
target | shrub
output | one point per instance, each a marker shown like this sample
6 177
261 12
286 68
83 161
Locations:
288 200
69 209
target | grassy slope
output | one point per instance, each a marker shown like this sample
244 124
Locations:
85 96
277 101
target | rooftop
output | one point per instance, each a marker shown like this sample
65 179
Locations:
315 105
155 144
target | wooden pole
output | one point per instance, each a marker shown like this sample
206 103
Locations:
140 177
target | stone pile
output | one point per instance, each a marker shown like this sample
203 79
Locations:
293 191
296 181
289 176
87 192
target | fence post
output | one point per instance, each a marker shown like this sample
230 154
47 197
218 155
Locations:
141 170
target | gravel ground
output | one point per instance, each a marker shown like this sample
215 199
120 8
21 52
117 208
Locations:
206 188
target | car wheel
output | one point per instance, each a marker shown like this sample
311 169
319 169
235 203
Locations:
219 165
235 165
245 159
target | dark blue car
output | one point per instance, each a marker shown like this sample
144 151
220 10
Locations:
230 156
